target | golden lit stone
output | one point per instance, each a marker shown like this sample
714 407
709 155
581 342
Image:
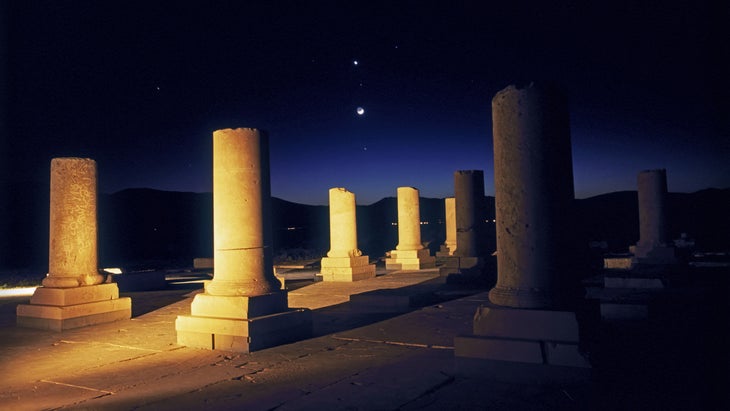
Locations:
409 253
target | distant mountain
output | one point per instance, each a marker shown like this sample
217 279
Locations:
144 225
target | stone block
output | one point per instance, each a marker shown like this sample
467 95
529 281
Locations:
410 260
203 263
632 282
59 318
346 268
244 335
238 306
357 261
74 295
543 325
617 263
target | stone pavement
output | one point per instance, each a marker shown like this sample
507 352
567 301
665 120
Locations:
356 360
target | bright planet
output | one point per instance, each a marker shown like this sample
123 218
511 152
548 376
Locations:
360 111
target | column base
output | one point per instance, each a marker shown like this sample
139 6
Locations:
467 266
59 309
523 297
445 251
410 260
347 268
244 334
539 337
652 255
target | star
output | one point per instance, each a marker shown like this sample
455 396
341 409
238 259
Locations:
355 63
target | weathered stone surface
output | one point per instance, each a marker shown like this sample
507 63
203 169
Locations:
470 213
243 307
409 254
73 293
72 253
344 261
654 245
74 296
244 335
59 318
533 179
238 306
449 246
241 207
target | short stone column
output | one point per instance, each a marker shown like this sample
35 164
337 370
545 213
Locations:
243 308
449 246
533 181
344 261
409 254
73 293
654 246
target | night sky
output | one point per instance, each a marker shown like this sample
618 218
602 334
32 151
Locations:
140 87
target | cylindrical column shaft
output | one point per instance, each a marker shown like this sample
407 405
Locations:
450 205
469 203
409 219
533 181
241 207
343 224
652 193
72 251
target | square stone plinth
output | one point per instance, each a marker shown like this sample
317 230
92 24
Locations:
75 295
410 260
61 309
461 265
523 336
238 306
347 268
244 335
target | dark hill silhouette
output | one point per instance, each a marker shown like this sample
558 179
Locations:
143 226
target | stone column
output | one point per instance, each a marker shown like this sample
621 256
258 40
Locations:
344 261
470 213
72 247
241 222
533 179
449 246
343 224
409 253
469 256
242 308
654 246
73 279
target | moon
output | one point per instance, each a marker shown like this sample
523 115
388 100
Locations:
360 111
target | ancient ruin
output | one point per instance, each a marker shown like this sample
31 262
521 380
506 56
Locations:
655 245
73 294
243 308
528 322
409 254
449 246
344 261
469 256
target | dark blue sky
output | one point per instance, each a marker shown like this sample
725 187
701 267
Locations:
140 86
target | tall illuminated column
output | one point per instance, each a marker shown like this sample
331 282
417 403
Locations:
72 294
409 254
344 261
242 308
654 246
533 179
449 246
